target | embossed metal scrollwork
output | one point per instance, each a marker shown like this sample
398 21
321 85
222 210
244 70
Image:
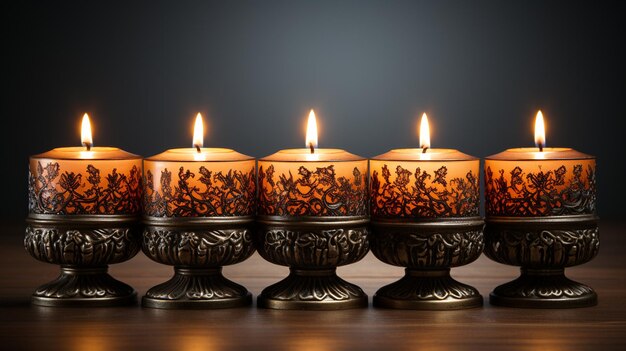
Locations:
543 248
197 248
436 250
84 247
315 248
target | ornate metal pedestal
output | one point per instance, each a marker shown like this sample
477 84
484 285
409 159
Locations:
543 247
428 249
312 248
198 248
83 246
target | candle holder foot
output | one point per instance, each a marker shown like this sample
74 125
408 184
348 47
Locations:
312 289
427 290
197 248
543 247
197 288
312 248
83 246
543 288
84 286
428 248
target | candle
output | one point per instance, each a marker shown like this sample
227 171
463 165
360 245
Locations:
199 182
424 204
199 205
85 180
84 207
540 215
540 181
312 217
312 181
424 182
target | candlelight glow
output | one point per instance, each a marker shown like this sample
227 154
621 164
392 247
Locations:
311 132
424 133
540 131
198 133
85 132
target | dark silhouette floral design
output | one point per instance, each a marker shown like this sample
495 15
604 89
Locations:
52 191
424 194
312 193
214 194
543 193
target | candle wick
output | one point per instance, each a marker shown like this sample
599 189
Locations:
540 147
424 149
198 148
312 148
87 146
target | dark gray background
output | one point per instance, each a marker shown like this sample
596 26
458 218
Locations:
481 69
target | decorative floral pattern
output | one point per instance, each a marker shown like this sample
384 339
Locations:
313 248
52 191
542 248
426 195
417 249
198 248
61 244
543 193
230 194
312 193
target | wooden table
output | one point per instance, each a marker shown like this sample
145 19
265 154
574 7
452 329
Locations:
23 326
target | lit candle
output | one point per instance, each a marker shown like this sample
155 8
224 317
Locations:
540 181
199 205
424 205
425 182
199 181
312 181
85 180
312 217
540 214
84 207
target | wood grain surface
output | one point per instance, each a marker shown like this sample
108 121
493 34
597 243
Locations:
23 326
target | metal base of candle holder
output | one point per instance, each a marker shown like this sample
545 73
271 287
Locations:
428 248
198 248
303 288
543 247
78 286
194 287
312 248
83 246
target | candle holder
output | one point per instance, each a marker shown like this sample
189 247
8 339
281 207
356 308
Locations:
83 247
540 208
84 207
543 247
198 220
312 248
425 217
198 248
312 218
428 249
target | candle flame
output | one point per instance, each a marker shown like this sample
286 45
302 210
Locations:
85 132
311 132
198 132
540 131
424 133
